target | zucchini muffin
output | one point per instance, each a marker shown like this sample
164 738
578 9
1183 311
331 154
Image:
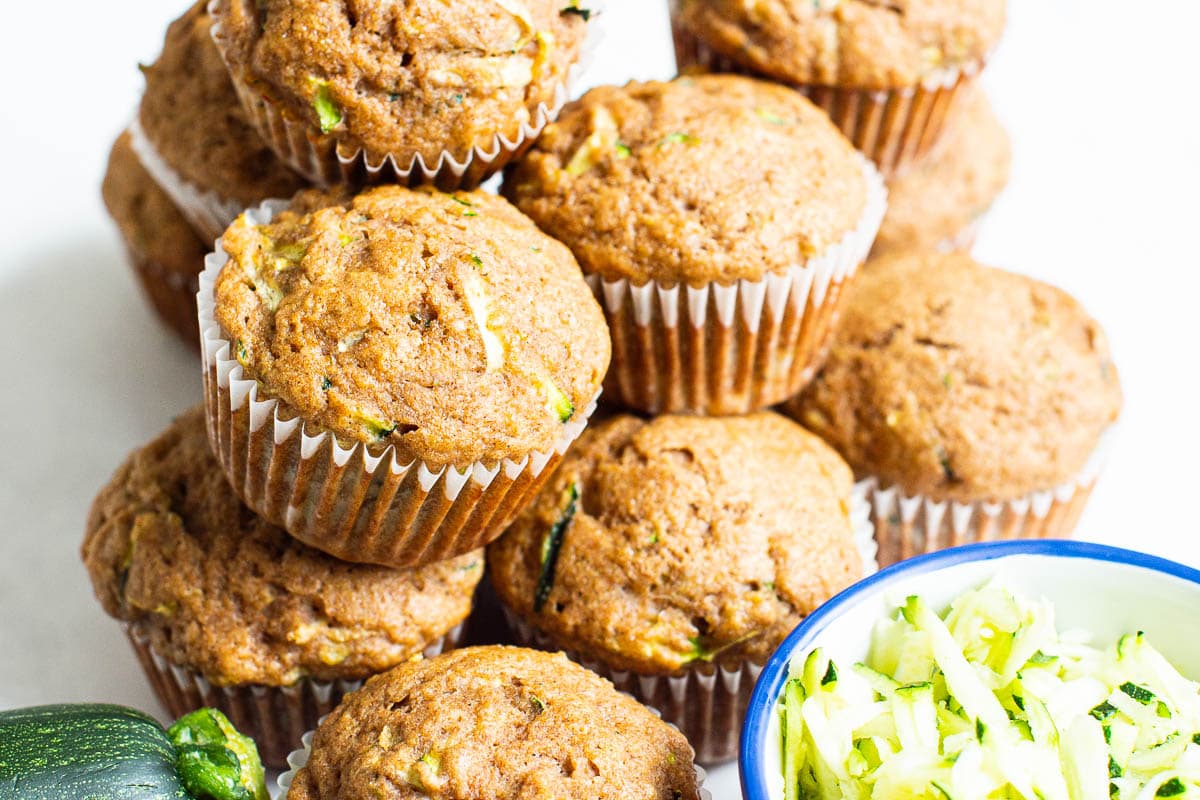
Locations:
227 610
485 723
436 350
417 91
939 203
193 135
162 249
718 218
663 551
983 393
887 73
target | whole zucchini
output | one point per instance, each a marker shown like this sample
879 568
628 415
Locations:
107 752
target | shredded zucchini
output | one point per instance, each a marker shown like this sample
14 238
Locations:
990 701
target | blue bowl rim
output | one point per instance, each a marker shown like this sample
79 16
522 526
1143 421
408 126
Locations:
770 681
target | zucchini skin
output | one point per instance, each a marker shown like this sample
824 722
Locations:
86 752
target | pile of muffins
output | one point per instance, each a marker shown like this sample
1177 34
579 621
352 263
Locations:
400 371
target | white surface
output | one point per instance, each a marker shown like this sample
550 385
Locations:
1100 98
1162 606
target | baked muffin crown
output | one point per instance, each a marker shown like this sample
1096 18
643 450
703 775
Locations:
962 382
495 722
191 115
171 550
953 186
661 544
404 78
705 178
445 325
861 44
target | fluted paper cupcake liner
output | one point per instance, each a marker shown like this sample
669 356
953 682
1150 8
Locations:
730 349
170 294
707 702
892 127
910 525
357 503
274 716
323 160
206 211
299 757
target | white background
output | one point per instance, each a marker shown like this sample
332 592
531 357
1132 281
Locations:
1101 99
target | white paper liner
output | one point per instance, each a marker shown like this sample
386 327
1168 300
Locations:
356 503
910 525
962 241
321 159
274 716
892 127
205 210
736 348
707 702
299 757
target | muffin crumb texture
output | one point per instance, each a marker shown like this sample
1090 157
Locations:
660 545
861 44
170 549
420 77
192 116
445 325
962 382
707 178
493 723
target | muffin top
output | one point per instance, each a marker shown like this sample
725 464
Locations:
682 539
495 723
423 76
707 178
446 325
951 187
149 222
192 116
861 44
962 382
171 549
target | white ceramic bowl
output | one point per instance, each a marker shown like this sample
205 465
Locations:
1103 590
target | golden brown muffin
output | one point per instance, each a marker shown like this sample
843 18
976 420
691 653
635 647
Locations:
948 191
495 723
170 549
707 178
163 250
192 117
961 382
662 544
446 325
865 44
422 77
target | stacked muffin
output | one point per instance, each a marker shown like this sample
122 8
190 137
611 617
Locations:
398 369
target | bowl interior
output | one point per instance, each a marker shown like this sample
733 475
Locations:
1103 591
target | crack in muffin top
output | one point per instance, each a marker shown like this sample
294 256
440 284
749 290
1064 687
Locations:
706 178
418 76
445 325
171 549
860 44
962 382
